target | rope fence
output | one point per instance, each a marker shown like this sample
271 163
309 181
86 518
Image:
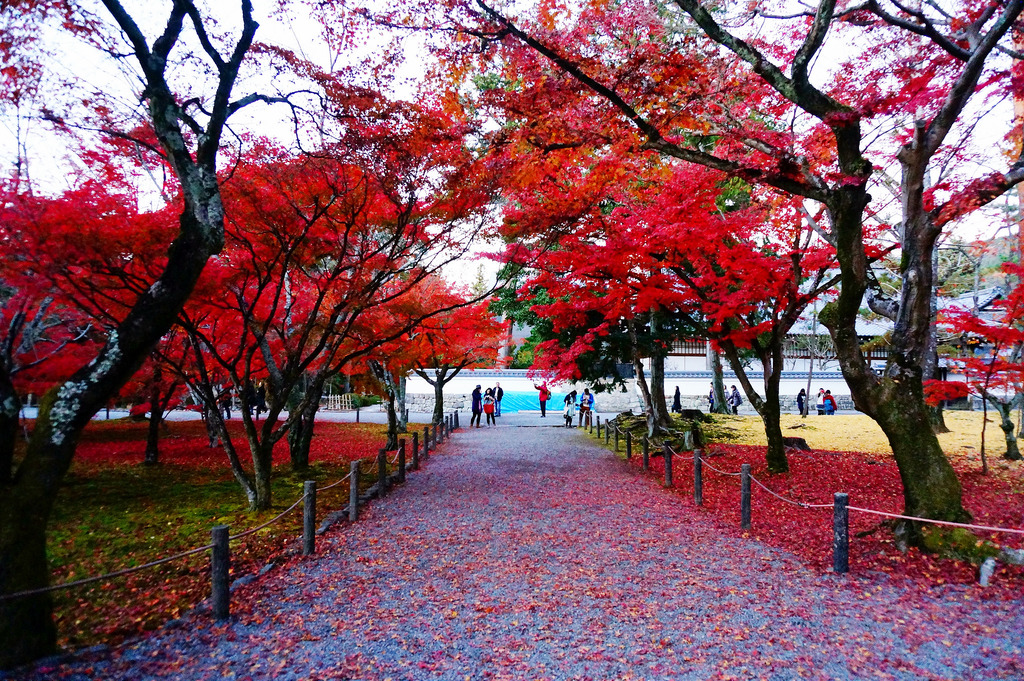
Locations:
219 547
839 505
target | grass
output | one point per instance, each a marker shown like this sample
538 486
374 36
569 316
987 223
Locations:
113 513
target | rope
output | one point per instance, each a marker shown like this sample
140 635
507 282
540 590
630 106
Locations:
269 522
109 575
323 489
718 470
789 501
935 522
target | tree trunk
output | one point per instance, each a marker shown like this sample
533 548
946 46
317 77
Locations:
27 629
931 369
155 414
438 414
1005 410
392 442
718 383
10 410
403 410
767 408
300 435
387 382
659 407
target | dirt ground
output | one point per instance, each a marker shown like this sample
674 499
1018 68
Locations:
857 432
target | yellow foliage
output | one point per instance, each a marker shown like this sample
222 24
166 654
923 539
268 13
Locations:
858 433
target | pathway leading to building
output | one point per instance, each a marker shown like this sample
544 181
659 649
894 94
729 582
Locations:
530 553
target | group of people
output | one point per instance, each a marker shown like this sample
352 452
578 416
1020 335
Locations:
584 406
256 398
486 403
826 403
733 399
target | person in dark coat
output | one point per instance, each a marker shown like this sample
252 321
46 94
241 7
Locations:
801 400
498 393
261 398
478 408
677 402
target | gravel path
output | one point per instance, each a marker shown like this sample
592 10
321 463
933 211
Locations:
529 553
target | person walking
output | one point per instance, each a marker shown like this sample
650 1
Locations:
488 402
586 407
498 394
543 396
830 403
261 398
677 402
821 402
249 393
224 399
801 400
477 407
735 400
711 399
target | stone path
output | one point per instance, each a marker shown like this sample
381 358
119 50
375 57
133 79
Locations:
530 553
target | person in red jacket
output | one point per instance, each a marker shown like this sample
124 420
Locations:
830 403
543 396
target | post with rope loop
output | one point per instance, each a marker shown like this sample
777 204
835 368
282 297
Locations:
667 456
442 431
220 568
745 496
598 427
698 478
647 453
415 450
308 517
607 433
629 445
401 460
426 442
382 472
447 427
616 438
353 491
456 416
841 533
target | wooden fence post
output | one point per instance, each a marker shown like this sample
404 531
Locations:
616 438
382 473
426 442
629 445
353 491
598 427
401 460
647 453
698 478
590 421
357 414
607 432
457 426
308 517
220 568
667 456
745 496
415 450
841 533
